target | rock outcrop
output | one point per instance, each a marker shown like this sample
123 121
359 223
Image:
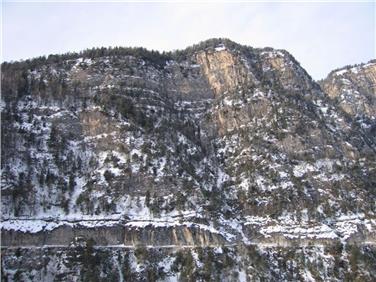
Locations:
353 88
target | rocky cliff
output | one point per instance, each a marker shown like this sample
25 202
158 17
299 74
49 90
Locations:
353 89
220 162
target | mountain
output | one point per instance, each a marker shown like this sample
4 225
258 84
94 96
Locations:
353 89
217 162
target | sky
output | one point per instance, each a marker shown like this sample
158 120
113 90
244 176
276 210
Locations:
322 36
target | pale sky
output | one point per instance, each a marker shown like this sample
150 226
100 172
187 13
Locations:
321 36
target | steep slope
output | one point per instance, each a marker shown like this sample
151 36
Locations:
353 88
211 147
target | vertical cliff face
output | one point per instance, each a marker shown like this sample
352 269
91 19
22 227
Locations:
224 70
212 147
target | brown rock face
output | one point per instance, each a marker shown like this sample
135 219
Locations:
223 70
354 89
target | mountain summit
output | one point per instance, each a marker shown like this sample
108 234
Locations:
220 162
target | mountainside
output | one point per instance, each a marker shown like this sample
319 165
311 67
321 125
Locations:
353 89
219 162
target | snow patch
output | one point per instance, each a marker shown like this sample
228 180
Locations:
220 48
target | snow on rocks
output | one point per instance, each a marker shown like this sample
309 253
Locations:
319 231
38 225
29 226
301 169
220 47
342 227
341 72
